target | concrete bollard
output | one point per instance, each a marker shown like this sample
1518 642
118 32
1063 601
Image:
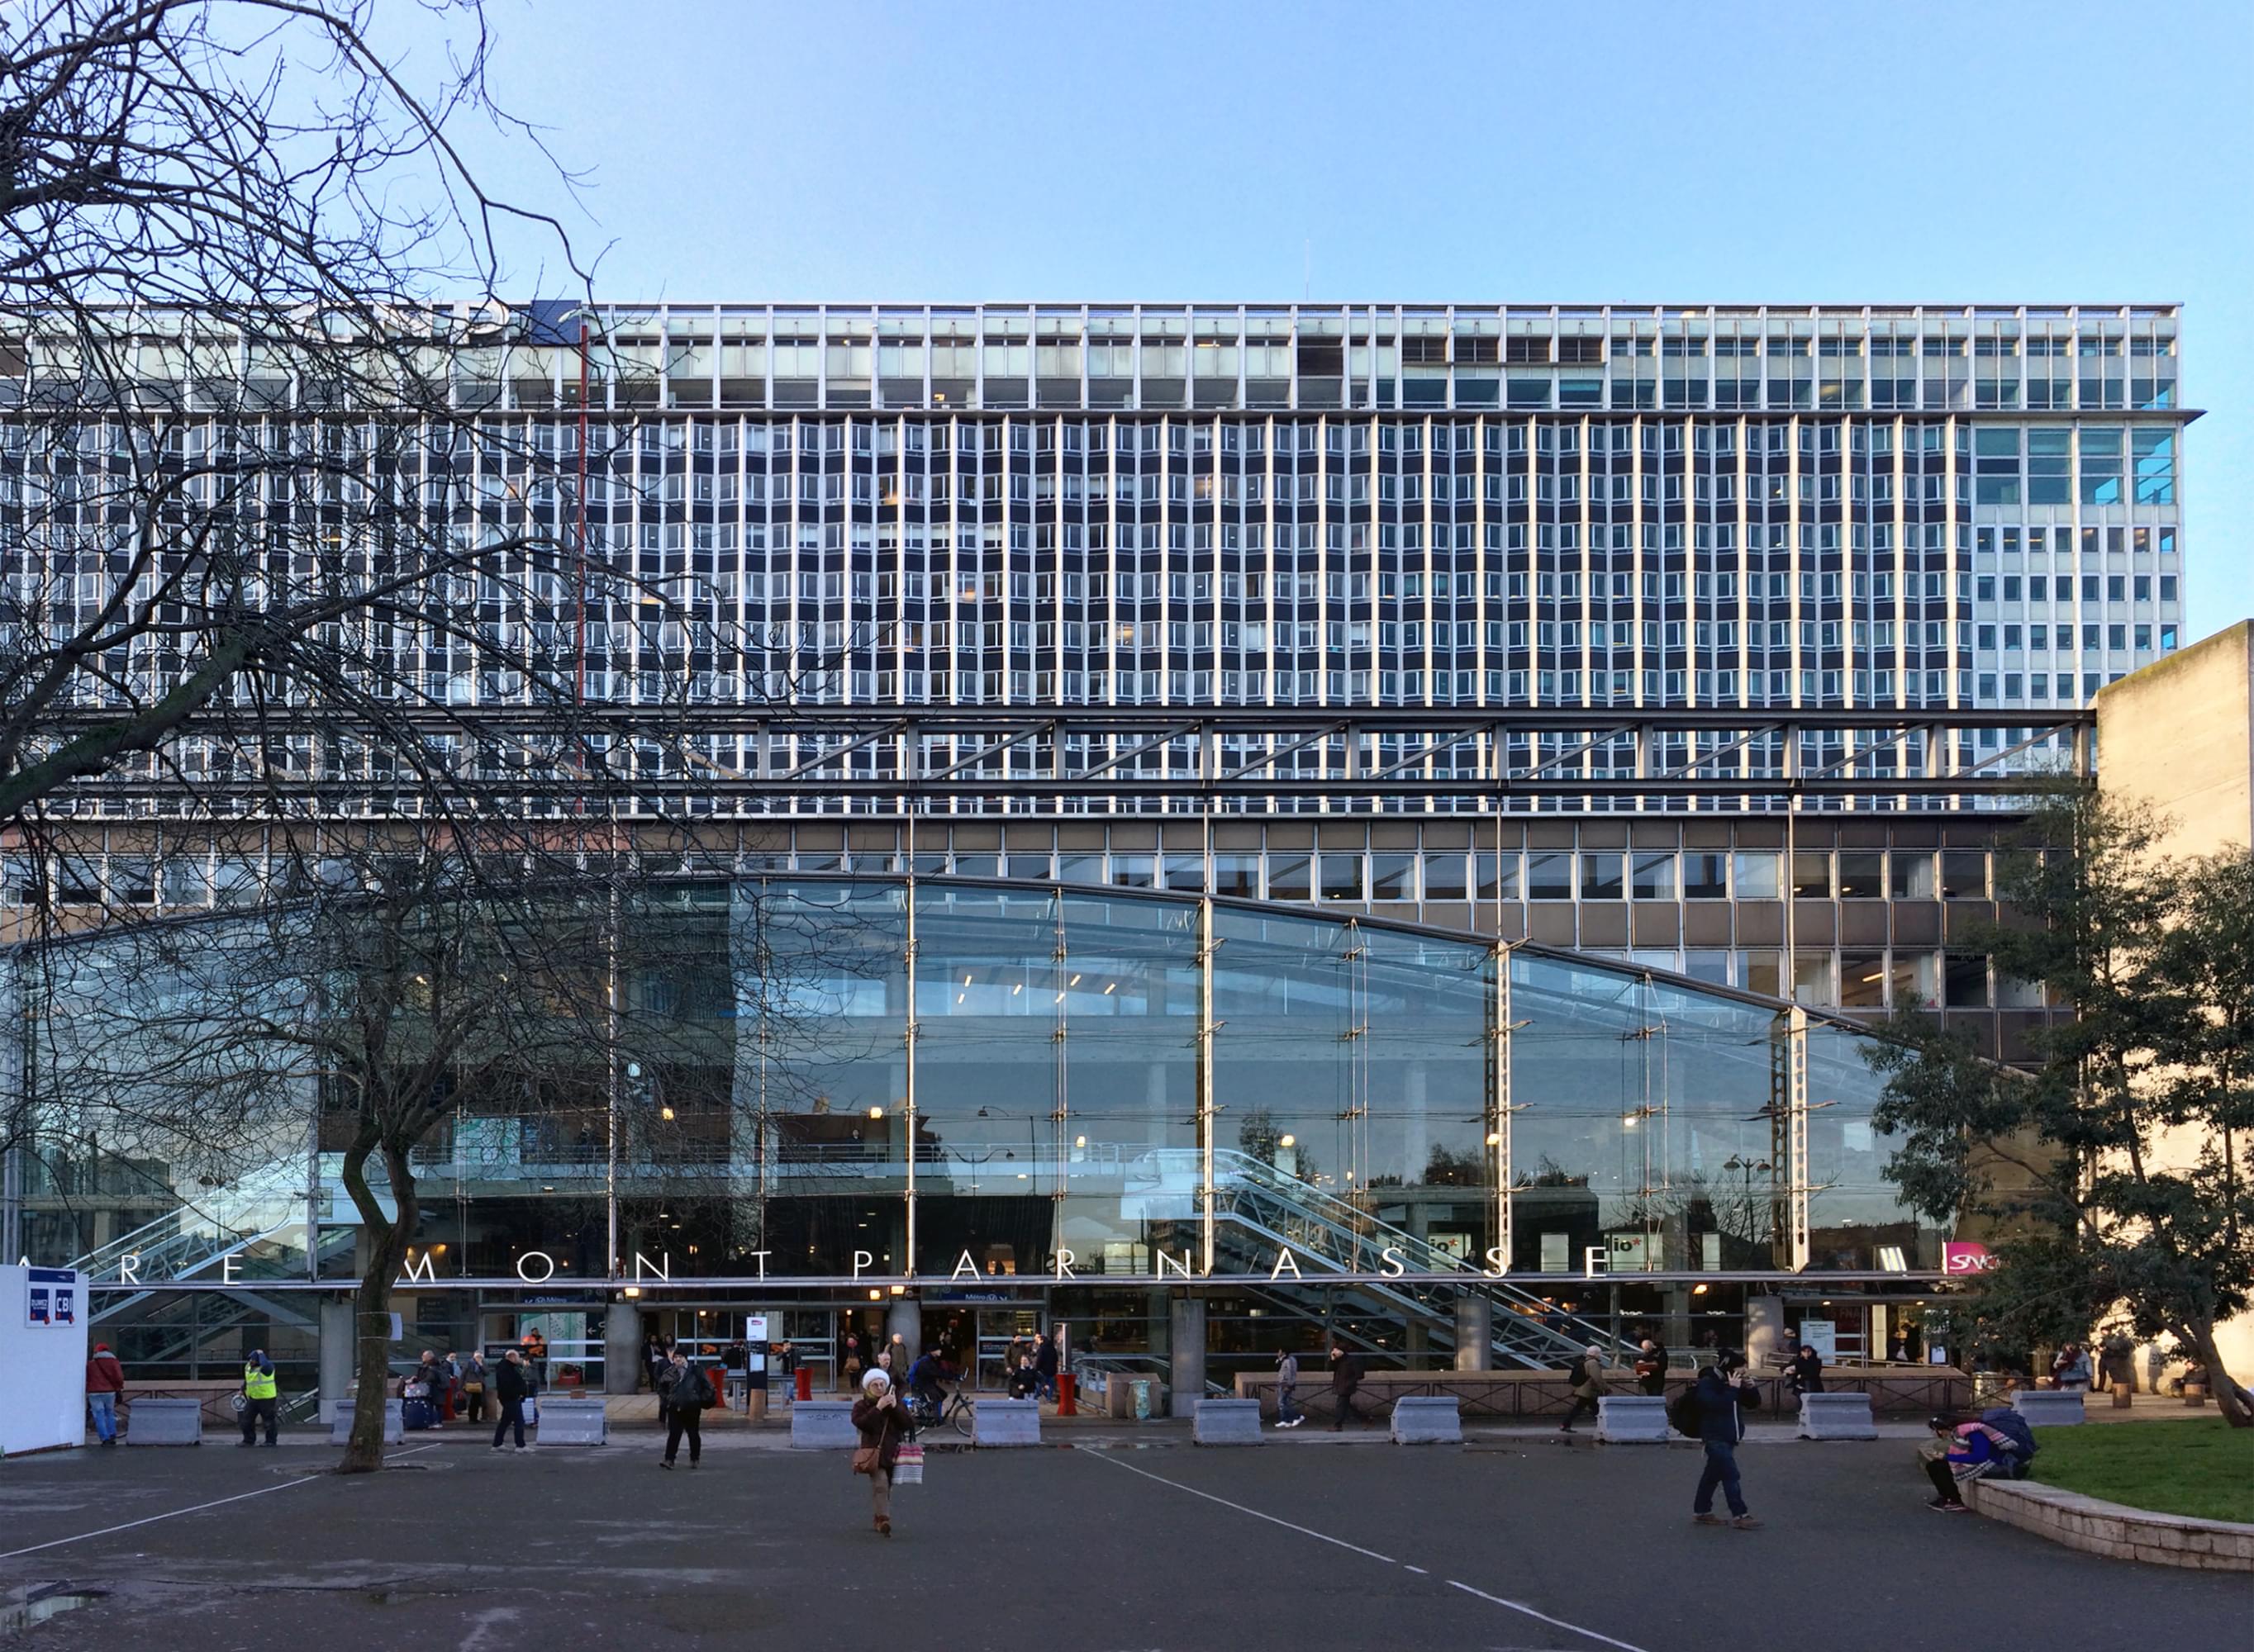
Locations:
824 1424
1008 1422
1428 1419
1837 1416
1632 1419
574 1422
164 1422
394 1423
1226 1422
2048 1408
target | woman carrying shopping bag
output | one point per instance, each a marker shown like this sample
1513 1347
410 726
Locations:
883 1424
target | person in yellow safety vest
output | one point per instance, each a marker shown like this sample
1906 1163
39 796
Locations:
259 1398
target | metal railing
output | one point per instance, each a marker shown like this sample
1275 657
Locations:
1255 1197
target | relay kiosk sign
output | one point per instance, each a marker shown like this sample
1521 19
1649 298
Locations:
42 1358
50 1296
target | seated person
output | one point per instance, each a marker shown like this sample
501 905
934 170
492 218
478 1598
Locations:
1967 1449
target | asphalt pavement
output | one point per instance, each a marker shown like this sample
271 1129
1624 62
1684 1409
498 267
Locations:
1510 1543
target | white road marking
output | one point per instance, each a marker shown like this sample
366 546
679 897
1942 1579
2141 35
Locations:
1324 1536
1304 1532
1555 1623
217 1503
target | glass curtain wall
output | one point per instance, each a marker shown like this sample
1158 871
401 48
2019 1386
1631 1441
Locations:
835 1077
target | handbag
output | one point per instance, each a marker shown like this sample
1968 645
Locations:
864 1459
908 1467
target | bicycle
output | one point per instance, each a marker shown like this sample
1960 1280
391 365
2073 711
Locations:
957 1408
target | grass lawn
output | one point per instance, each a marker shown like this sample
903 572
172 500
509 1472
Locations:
2203 1468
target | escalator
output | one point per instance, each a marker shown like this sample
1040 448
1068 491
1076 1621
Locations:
1260 1210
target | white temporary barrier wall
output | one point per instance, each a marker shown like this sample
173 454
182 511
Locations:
43 1346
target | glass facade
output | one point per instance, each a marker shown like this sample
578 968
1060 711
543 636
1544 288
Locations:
834 1079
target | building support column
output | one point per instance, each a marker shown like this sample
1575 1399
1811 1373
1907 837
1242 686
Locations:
1764 1330
1474 1332
1499 1105
338 1354
1788 1137
1186 1353
1207 1215
909 1029
904 1319
621 1347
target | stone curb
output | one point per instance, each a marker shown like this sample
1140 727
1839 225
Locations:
2115 1530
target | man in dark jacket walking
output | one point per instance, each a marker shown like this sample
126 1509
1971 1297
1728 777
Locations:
1723 1392
686 1392
509 1389
1346 1378
1045 1365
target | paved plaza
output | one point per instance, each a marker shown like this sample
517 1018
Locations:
1506 1543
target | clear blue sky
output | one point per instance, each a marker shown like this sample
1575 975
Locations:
1823 151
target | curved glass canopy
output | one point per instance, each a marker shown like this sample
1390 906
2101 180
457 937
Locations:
862 1078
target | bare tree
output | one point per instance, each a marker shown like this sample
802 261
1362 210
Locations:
223 217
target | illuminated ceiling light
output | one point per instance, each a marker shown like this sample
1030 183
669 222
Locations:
665 1113
1287 1141
633 1290
875 1296
966 980
1697 1290
876 1112
1110 986
1074 981
1019 988
1079 1141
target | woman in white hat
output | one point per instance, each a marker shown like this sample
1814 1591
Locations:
883 1424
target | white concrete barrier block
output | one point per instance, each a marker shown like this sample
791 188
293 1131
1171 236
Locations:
573 1422
1837 1416
1633 1419
394 1423
1226 1422
824 1424
164 1422
1428 1419
1008 1422
2048 1408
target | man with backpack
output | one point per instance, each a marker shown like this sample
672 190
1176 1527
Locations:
1709 1410
684 1391
1588 1375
